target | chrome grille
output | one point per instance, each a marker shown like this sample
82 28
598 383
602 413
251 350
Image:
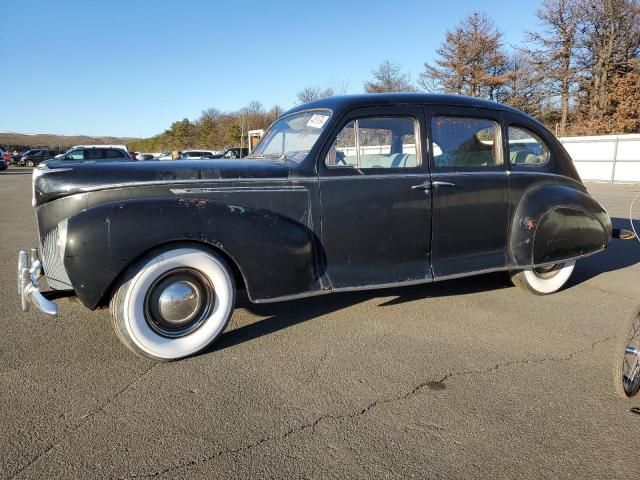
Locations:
57 277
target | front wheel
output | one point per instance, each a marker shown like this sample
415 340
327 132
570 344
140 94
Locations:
30 163
174 304
543 280
626 373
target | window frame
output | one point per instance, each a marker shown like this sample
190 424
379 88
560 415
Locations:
533 135
412 112
486 115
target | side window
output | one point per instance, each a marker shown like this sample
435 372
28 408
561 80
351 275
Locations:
77 154
111 153
526 148
94 154
465 142
380 142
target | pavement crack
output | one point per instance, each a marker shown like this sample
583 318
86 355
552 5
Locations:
431 384
83 421
528 361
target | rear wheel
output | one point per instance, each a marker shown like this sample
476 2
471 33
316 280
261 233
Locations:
543 280
626 374
174 304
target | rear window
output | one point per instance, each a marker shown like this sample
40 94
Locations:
526 148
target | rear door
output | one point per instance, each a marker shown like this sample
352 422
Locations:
470 189
375 200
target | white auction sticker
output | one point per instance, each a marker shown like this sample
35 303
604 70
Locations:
317 120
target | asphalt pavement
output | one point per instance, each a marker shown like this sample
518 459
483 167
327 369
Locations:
470 378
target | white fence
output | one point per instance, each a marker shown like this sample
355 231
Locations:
611 158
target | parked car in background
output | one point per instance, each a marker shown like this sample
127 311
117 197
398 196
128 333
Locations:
145 156
165 156
91 154
3 164
16 156
341 194
233 153
35 156
197 154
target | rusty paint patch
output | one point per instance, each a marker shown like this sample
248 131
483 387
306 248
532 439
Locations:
528 223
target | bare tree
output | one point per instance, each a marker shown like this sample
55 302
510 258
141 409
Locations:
609 40
310 94
523 89
471 60
554 52
388 77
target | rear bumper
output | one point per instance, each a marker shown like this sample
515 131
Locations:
29 273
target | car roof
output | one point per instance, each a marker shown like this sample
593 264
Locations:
121 147
346 102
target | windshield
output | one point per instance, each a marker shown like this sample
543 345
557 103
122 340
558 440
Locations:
293 136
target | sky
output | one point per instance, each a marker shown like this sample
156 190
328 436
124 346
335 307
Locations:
132 67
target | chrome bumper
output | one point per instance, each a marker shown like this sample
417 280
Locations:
29 273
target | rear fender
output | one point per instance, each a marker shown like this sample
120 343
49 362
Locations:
556 222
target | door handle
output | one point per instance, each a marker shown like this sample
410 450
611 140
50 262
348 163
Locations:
426 186
438 183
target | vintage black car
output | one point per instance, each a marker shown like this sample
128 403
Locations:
345 193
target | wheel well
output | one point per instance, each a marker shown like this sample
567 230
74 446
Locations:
233 265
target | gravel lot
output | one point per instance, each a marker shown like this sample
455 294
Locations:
463 379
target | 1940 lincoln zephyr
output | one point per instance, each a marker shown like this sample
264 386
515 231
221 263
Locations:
345 193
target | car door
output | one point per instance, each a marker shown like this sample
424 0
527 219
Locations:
375 200
470 190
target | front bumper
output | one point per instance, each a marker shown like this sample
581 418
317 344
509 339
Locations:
29 273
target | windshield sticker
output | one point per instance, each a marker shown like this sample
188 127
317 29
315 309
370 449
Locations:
317 121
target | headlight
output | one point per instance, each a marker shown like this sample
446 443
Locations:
62 238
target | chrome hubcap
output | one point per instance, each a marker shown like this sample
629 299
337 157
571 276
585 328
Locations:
548 271
179 302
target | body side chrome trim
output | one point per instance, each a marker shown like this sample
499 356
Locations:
276 188
376 177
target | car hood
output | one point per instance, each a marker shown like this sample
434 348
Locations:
58 179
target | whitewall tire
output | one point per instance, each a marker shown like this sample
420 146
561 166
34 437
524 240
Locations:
543 280
174 303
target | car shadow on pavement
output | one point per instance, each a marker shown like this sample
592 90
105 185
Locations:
281 315
618 255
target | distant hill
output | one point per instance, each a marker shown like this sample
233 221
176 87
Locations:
19 141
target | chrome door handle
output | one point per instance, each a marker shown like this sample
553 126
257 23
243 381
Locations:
438 183
426 186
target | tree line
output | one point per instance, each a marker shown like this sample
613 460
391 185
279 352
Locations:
578 72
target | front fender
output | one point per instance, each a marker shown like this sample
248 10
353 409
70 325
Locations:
275 254
555 222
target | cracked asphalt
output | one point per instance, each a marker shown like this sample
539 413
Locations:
470 378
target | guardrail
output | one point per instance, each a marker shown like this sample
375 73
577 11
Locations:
610 158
